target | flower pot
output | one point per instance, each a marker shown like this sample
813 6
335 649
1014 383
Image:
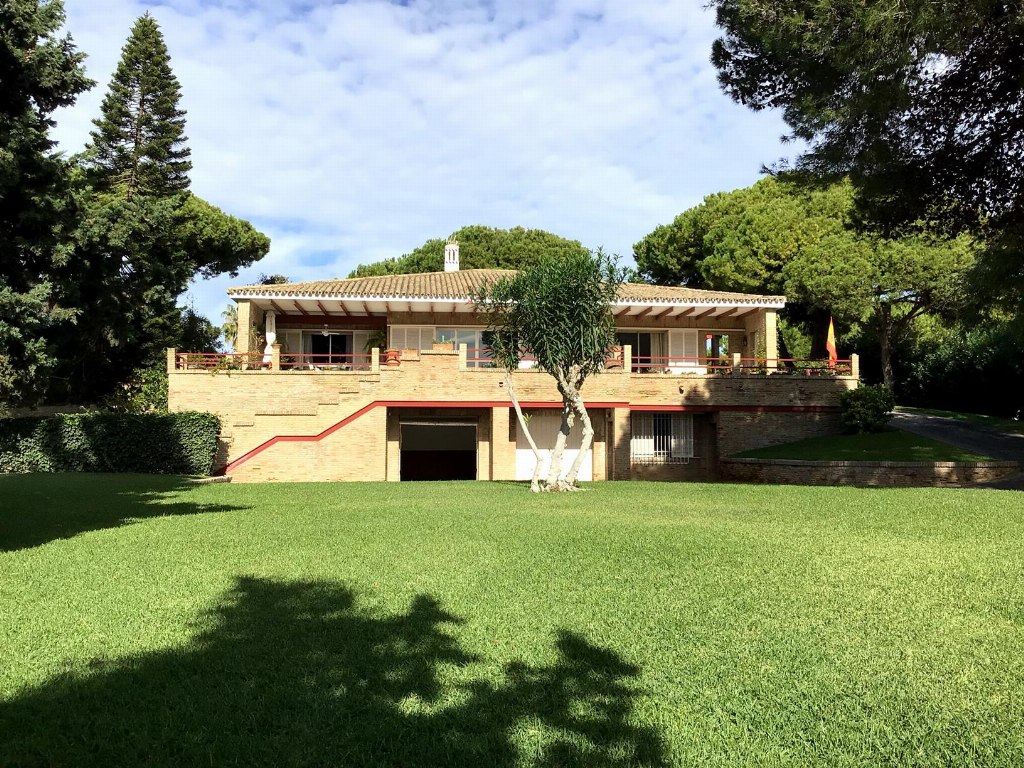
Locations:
392 358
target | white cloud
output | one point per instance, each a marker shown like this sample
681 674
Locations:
353 131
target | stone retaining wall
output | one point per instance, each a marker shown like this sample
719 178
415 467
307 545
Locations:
871 473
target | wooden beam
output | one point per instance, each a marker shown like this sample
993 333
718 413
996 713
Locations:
705 313
728 313
299 307
277 307
322 308
667 311
687 311
366 309
344 310
646 312
623 310
745 313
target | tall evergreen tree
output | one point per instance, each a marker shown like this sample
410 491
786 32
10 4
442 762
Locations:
40 71
142 236
139 145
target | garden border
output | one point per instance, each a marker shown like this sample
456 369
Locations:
907 474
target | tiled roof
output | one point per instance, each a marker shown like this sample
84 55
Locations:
465 283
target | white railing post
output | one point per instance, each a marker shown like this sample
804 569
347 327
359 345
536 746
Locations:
375 360
463 354
855 366
627 358
172 357
736 362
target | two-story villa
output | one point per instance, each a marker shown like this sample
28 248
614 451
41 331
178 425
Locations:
387 378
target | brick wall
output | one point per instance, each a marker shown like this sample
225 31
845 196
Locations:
257 406
868 473
745 431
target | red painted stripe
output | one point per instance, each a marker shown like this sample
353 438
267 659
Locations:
740 408
506 404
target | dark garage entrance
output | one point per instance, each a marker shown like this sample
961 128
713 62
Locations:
438 450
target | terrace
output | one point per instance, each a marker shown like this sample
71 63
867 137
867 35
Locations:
478 359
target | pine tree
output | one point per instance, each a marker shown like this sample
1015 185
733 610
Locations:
141 235
39 72
139 145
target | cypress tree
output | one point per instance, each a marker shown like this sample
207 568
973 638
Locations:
139 145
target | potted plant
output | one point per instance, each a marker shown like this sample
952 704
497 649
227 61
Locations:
443 345
613 358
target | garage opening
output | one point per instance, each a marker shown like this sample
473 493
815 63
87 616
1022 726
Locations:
438 450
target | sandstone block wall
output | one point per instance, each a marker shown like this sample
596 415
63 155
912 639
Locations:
867 473
741 411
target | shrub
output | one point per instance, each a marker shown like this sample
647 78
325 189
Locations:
145 391
161 443
866 409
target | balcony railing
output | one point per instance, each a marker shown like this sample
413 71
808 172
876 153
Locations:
325 362
480 359
220 361
791 366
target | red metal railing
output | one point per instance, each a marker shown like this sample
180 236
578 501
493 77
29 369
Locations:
777 365
325 362
658 364
480 357
796 366
220 361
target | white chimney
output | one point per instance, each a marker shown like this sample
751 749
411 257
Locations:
451 255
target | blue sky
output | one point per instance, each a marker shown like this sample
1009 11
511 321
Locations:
350 132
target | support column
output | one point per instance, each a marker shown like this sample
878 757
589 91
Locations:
503 444
270 320
620 437
484 447
771 335
393 435
243 319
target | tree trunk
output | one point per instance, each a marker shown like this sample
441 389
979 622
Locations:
535 480
571 395
819 333
554 482
588 440
885 343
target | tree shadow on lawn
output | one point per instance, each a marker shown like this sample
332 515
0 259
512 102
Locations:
38 508
295 673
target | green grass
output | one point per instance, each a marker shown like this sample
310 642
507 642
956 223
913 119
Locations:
992 422
891 445
144 622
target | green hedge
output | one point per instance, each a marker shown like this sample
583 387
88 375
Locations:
161 443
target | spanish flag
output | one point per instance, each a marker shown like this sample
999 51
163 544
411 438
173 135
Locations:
830 345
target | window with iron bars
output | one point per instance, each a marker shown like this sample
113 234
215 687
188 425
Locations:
661 438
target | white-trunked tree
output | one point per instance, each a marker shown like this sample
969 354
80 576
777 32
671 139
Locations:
558 311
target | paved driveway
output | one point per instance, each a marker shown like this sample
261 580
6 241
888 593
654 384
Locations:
970 437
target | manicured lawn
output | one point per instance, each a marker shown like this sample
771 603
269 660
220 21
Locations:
891 445
992 422
143 622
